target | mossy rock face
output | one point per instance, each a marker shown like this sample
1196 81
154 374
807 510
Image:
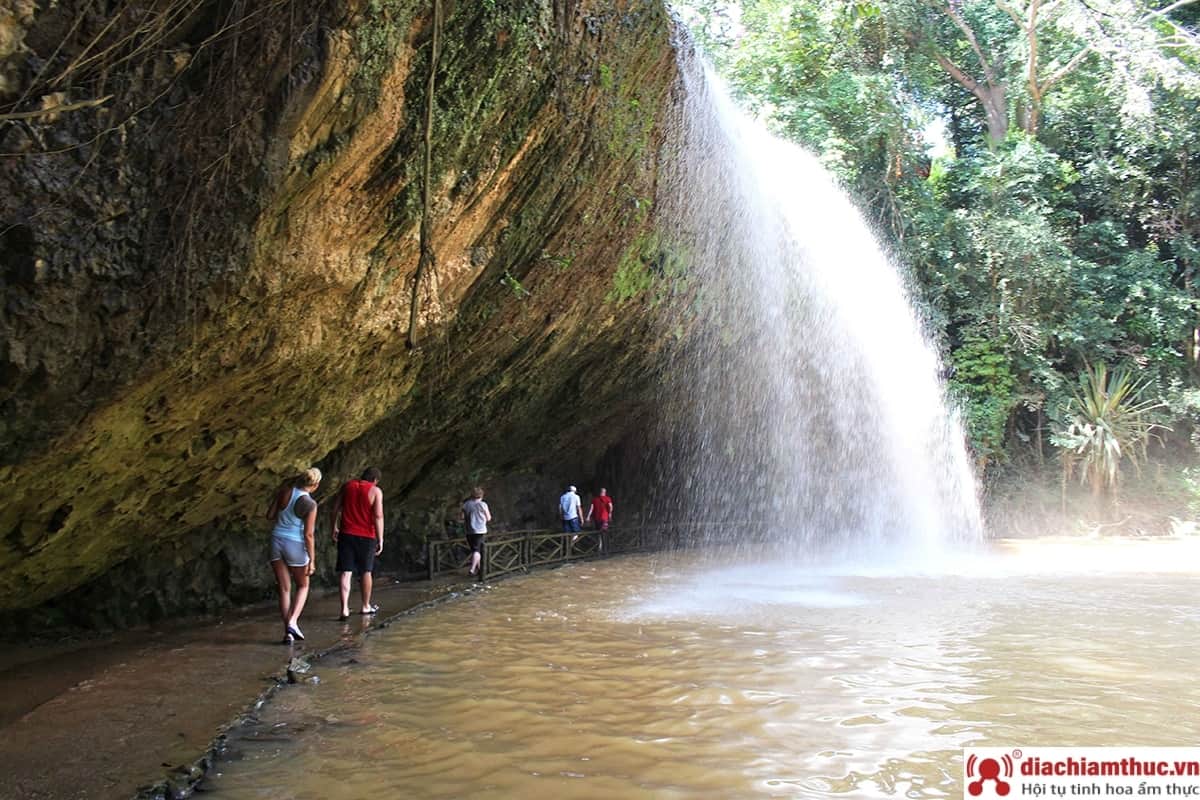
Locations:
207 281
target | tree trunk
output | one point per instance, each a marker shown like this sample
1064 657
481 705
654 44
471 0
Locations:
995 108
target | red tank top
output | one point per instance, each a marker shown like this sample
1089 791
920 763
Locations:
357 516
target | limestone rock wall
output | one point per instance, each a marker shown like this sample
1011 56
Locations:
208 236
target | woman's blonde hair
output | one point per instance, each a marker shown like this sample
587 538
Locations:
310 477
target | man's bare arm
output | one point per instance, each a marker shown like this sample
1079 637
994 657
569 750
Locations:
377 507
337 515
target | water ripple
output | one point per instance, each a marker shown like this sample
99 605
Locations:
623 691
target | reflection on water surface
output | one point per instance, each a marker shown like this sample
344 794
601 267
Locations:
665 677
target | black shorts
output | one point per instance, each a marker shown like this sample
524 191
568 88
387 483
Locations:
475 542
355 554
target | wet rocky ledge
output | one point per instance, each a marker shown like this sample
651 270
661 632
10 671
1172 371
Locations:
144 713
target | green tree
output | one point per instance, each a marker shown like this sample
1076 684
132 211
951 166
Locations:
1011 54
983 381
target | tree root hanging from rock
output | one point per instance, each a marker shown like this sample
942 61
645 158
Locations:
426 260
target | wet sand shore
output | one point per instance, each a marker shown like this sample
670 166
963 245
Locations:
104 718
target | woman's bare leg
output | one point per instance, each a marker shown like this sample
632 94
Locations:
284 583
300 578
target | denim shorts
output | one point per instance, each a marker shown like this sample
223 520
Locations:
291 552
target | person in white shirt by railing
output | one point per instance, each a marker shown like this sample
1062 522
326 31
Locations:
570 511
476 516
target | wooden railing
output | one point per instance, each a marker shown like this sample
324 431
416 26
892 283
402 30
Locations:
513 551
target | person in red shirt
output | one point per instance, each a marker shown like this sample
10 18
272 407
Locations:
358 533
602 506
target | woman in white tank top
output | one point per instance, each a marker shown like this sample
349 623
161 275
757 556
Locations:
292 553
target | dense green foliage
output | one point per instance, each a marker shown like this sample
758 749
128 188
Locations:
1035 164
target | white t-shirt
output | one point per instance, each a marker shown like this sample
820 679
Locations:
569 505
477 514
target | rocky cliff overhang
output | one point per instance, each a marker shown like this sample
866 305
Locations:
209 227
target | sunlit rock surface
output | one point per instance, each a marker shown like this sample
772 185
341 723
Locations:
206 279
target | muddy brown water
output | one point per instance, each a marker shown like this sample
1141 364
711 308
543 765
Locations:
662 677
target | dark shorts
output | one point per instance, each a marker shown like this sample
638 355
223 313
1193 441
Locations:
601 524
571 525
475 542
355 554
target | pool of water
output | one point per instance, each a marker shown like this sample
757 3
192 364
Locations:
671 677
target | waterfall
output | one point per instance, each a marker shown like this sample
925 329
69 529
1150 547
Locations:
806 406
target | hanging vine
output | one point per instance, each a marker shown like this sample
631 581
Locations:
426 260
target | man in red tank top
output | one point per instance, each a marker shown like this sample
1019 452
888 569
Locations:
358 533
602 506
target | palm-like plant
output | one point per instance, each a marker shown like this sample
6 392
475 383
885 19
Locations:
1109 423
